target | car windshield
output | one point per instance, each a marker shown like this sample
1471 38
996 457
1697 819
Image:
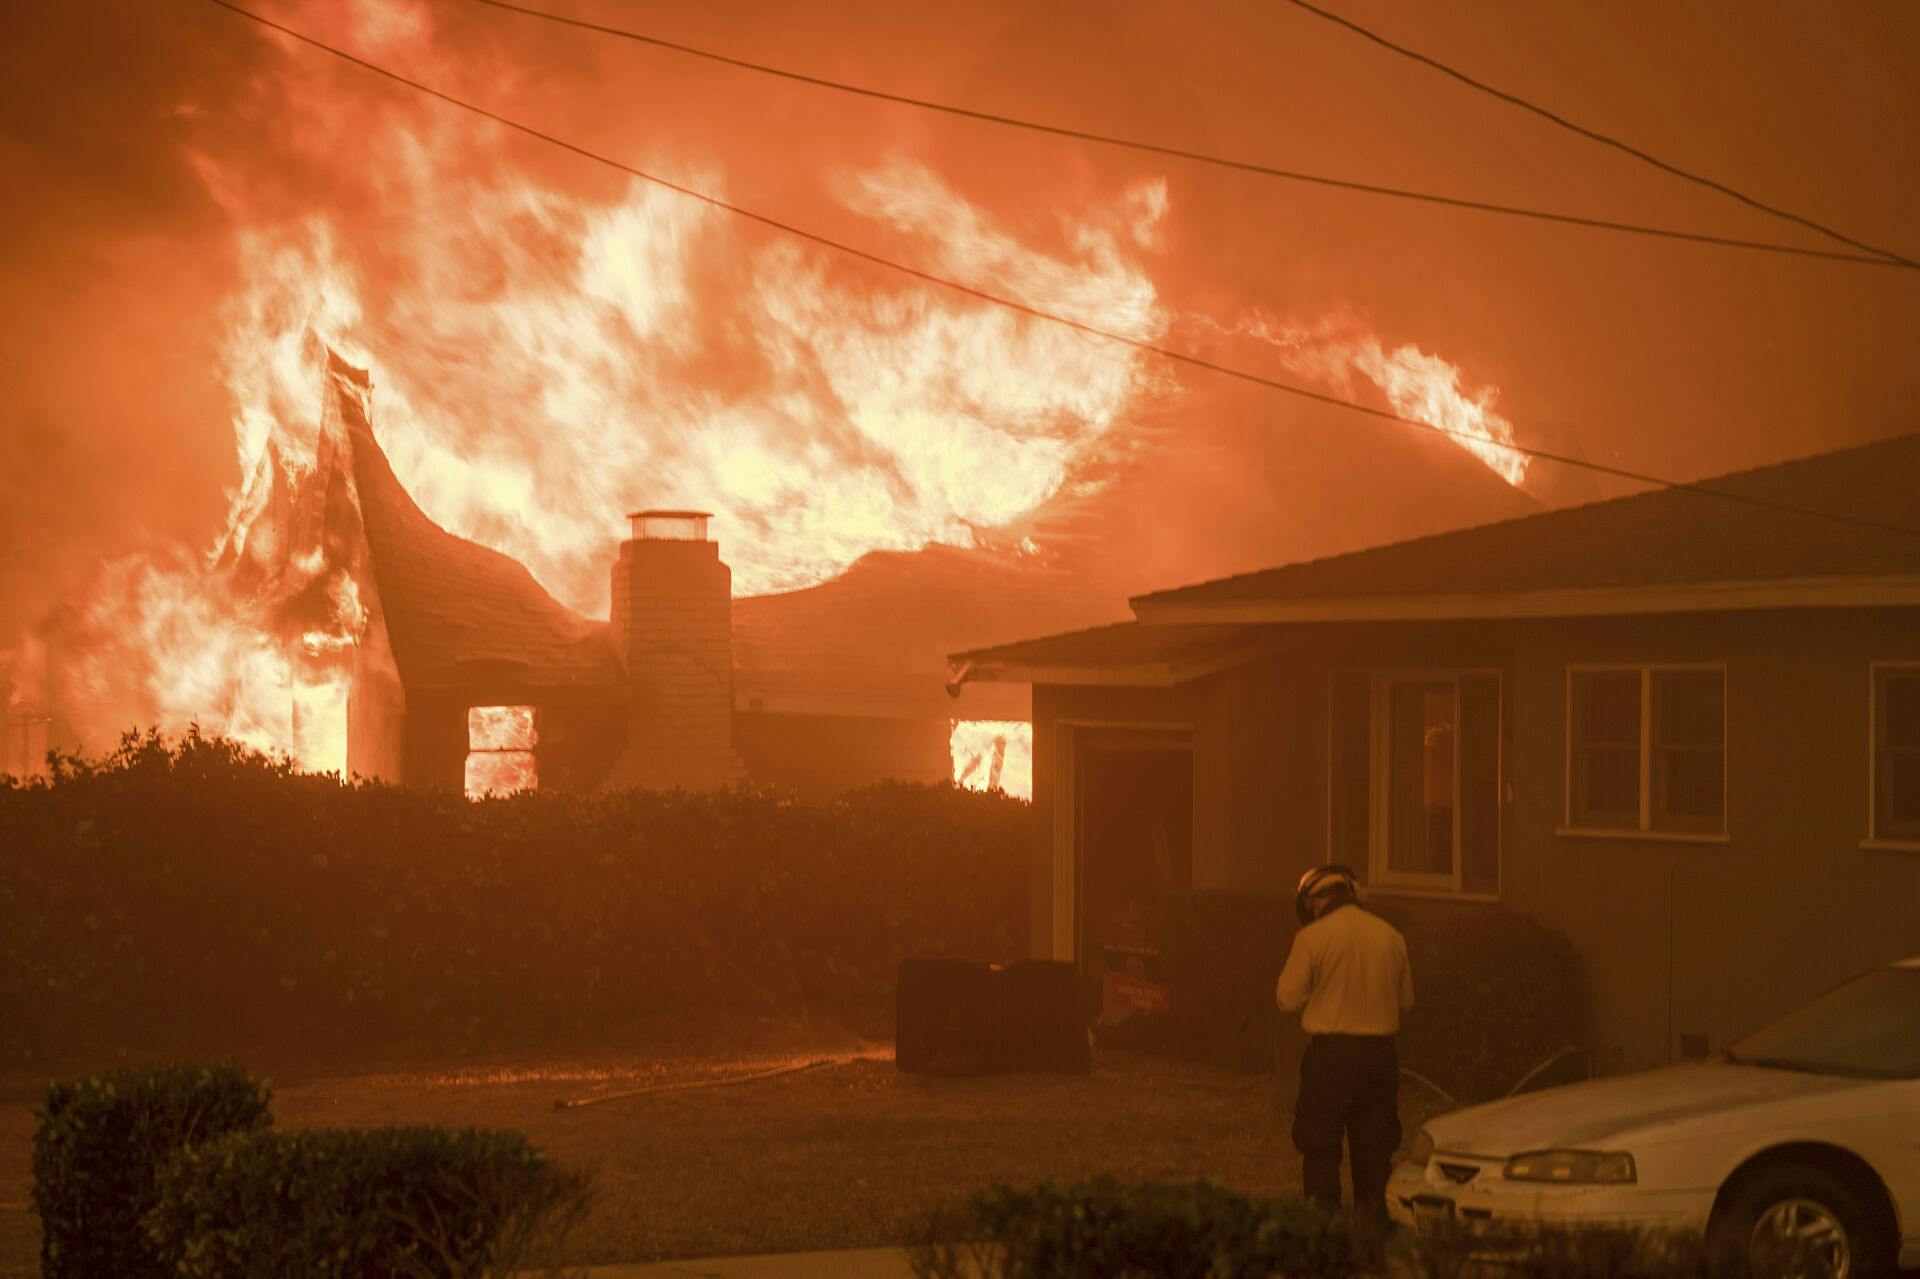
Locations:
1868 1027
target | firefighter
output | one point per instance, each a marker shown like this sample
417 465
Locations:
1347 977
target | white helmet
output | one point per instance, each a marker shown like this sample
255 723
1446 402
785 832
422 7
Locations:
1331 878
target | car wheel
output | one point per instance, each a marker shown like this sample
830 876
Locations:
1795 1221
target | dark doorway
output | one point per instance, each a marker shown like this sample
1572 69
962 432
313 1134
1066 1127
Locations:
1134 804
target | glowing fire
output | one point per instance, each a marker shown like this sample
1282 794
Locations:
1419 386
500 742
547 361
993 754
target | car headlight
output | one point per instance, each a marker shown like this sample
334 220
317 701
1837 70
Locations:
1421 1150
1572 1167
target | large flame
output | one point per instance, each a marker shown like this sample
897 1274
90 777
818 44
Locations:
1419 386
545 361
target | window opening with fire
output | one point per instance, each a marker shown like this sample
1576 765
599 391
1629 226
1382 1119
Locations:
993 754
500 742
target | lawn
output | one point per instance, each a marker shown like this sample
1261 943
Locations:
842 1156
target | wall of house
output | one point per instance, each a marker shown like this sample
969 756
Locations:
580 733
820 754
1682 938
376 701
1712 939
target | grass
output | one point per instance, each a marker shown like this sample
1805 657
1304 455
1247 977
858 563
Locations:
845 1156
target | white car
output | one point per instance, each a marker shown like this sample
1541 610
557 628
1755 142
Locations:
1806 1132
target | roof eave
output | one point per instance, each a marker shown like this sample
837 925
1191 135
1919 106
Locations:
981 666
1683 597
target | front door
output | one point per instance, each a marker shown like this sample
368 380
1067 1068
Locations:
1134 808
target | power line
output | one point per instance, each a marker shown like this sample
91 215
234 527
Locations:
1875 258
1080 326
1595 135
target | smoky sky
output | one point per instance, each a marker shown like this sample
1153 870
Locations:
139 136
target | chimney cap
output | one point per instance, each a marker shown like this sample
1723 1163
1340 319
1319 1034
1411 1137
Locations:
659 525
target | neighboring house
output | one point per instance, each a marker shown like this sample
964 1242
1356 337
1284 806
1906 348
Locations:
1682 728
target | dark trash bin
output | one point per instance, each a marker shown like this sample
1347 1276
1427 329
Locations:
944 1017
1041 1018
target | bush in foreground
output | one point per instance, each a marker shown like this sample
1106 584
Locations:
100 1149
349 1203
1105 1229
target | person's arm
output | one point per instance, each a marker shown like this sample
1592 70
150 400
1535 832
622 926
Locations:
1296 979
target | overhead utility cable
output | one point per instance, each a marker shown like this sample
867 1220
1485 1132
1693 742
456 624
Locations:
1594 135
1874 258
1091 330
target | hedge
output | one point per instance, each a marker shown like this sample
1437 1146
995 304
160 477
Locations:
1496 991
362 1204
190 898
99 1149
1106 1229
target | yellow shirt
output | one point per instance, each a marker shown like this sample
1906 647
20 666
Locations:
1347 974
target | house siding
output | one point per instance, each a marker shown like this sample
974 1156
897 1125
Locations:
1681 938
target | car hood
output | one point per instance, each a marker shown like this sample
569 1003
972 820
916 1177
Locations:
1585 1115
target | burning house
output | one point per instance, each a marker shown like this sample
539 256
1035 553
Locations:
404 652
470 674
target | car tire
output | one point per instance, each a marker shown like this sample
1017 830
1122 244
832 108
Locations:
1782 1200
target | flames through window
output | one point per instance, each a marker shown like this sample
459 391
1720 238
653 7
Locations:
993 754
500 741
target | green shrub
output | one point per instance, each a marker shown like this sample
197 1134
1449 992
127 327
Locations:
1496 993
1224 950
190 897
362 1203
1103 1229
100 1146
1457 1250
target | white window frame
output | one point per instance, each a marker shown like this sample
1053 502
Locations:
1874 839
1645 829
1379 778
531 751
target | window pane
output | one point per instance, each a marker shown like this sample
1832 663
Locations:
1606 708
1688 787
1606 786
1480 783
1903 776
1897 797
499 728
499 773
1420 779
1686 708
1899 710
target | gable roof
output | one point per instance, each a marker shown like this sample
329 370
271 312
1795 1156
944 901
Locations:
455 610
1678 549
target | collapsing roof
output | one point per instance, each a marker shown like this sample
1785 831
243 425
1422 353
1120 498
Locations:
454 609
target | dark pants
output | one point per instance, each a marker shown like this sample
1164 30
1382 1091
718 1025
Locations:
1349 1084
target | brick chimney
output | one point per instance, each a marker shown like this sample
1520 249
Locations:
673 628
